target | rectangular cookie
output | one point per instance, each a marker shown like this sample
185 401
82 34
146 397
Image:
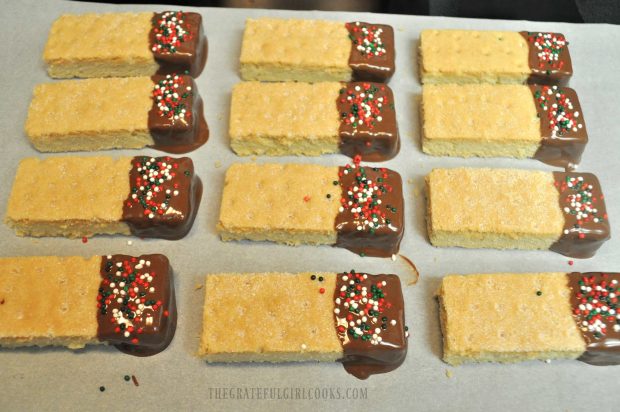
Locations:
316 50
73 301
476 56
312 119
125 44
84 196
354 318
541 122
516 209
162 111
513 317
359 208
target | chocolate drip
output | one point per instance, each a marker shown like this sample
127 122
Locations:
367 67
383 239
601 348
377 141
184 134
190 56
581 237
151 329
563 148
545 72
363 356
175 219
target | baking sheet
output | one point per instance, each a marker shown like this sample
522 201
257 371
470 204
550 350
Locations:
57 379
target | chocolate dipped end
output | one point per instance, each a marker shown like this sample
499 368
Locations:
544 67
164 197
586 226
599 325
142 322
371 134
372 61
378 227
562 128
177 124
379 343
189 55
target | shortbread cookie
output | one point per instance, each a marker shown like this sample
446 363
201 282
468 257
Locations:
163 111
516 209
313 119
472 56
316 50
354 318
359 208
84 196
512 317
126 44
543 122
125 301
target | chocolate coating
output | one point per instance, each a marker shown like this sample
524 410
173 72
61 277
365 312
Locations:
544 72
580 237
602 349
376 142
382 240
368 67
190 56
178 214
362 358
562 149
179 135
153 328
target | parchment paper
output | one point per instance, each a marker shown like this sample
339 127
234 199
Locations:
59 379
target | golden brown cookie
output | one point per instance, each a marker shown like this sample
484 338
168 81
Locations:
312 204
72 301
125 44
355 318
516 209
512 317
